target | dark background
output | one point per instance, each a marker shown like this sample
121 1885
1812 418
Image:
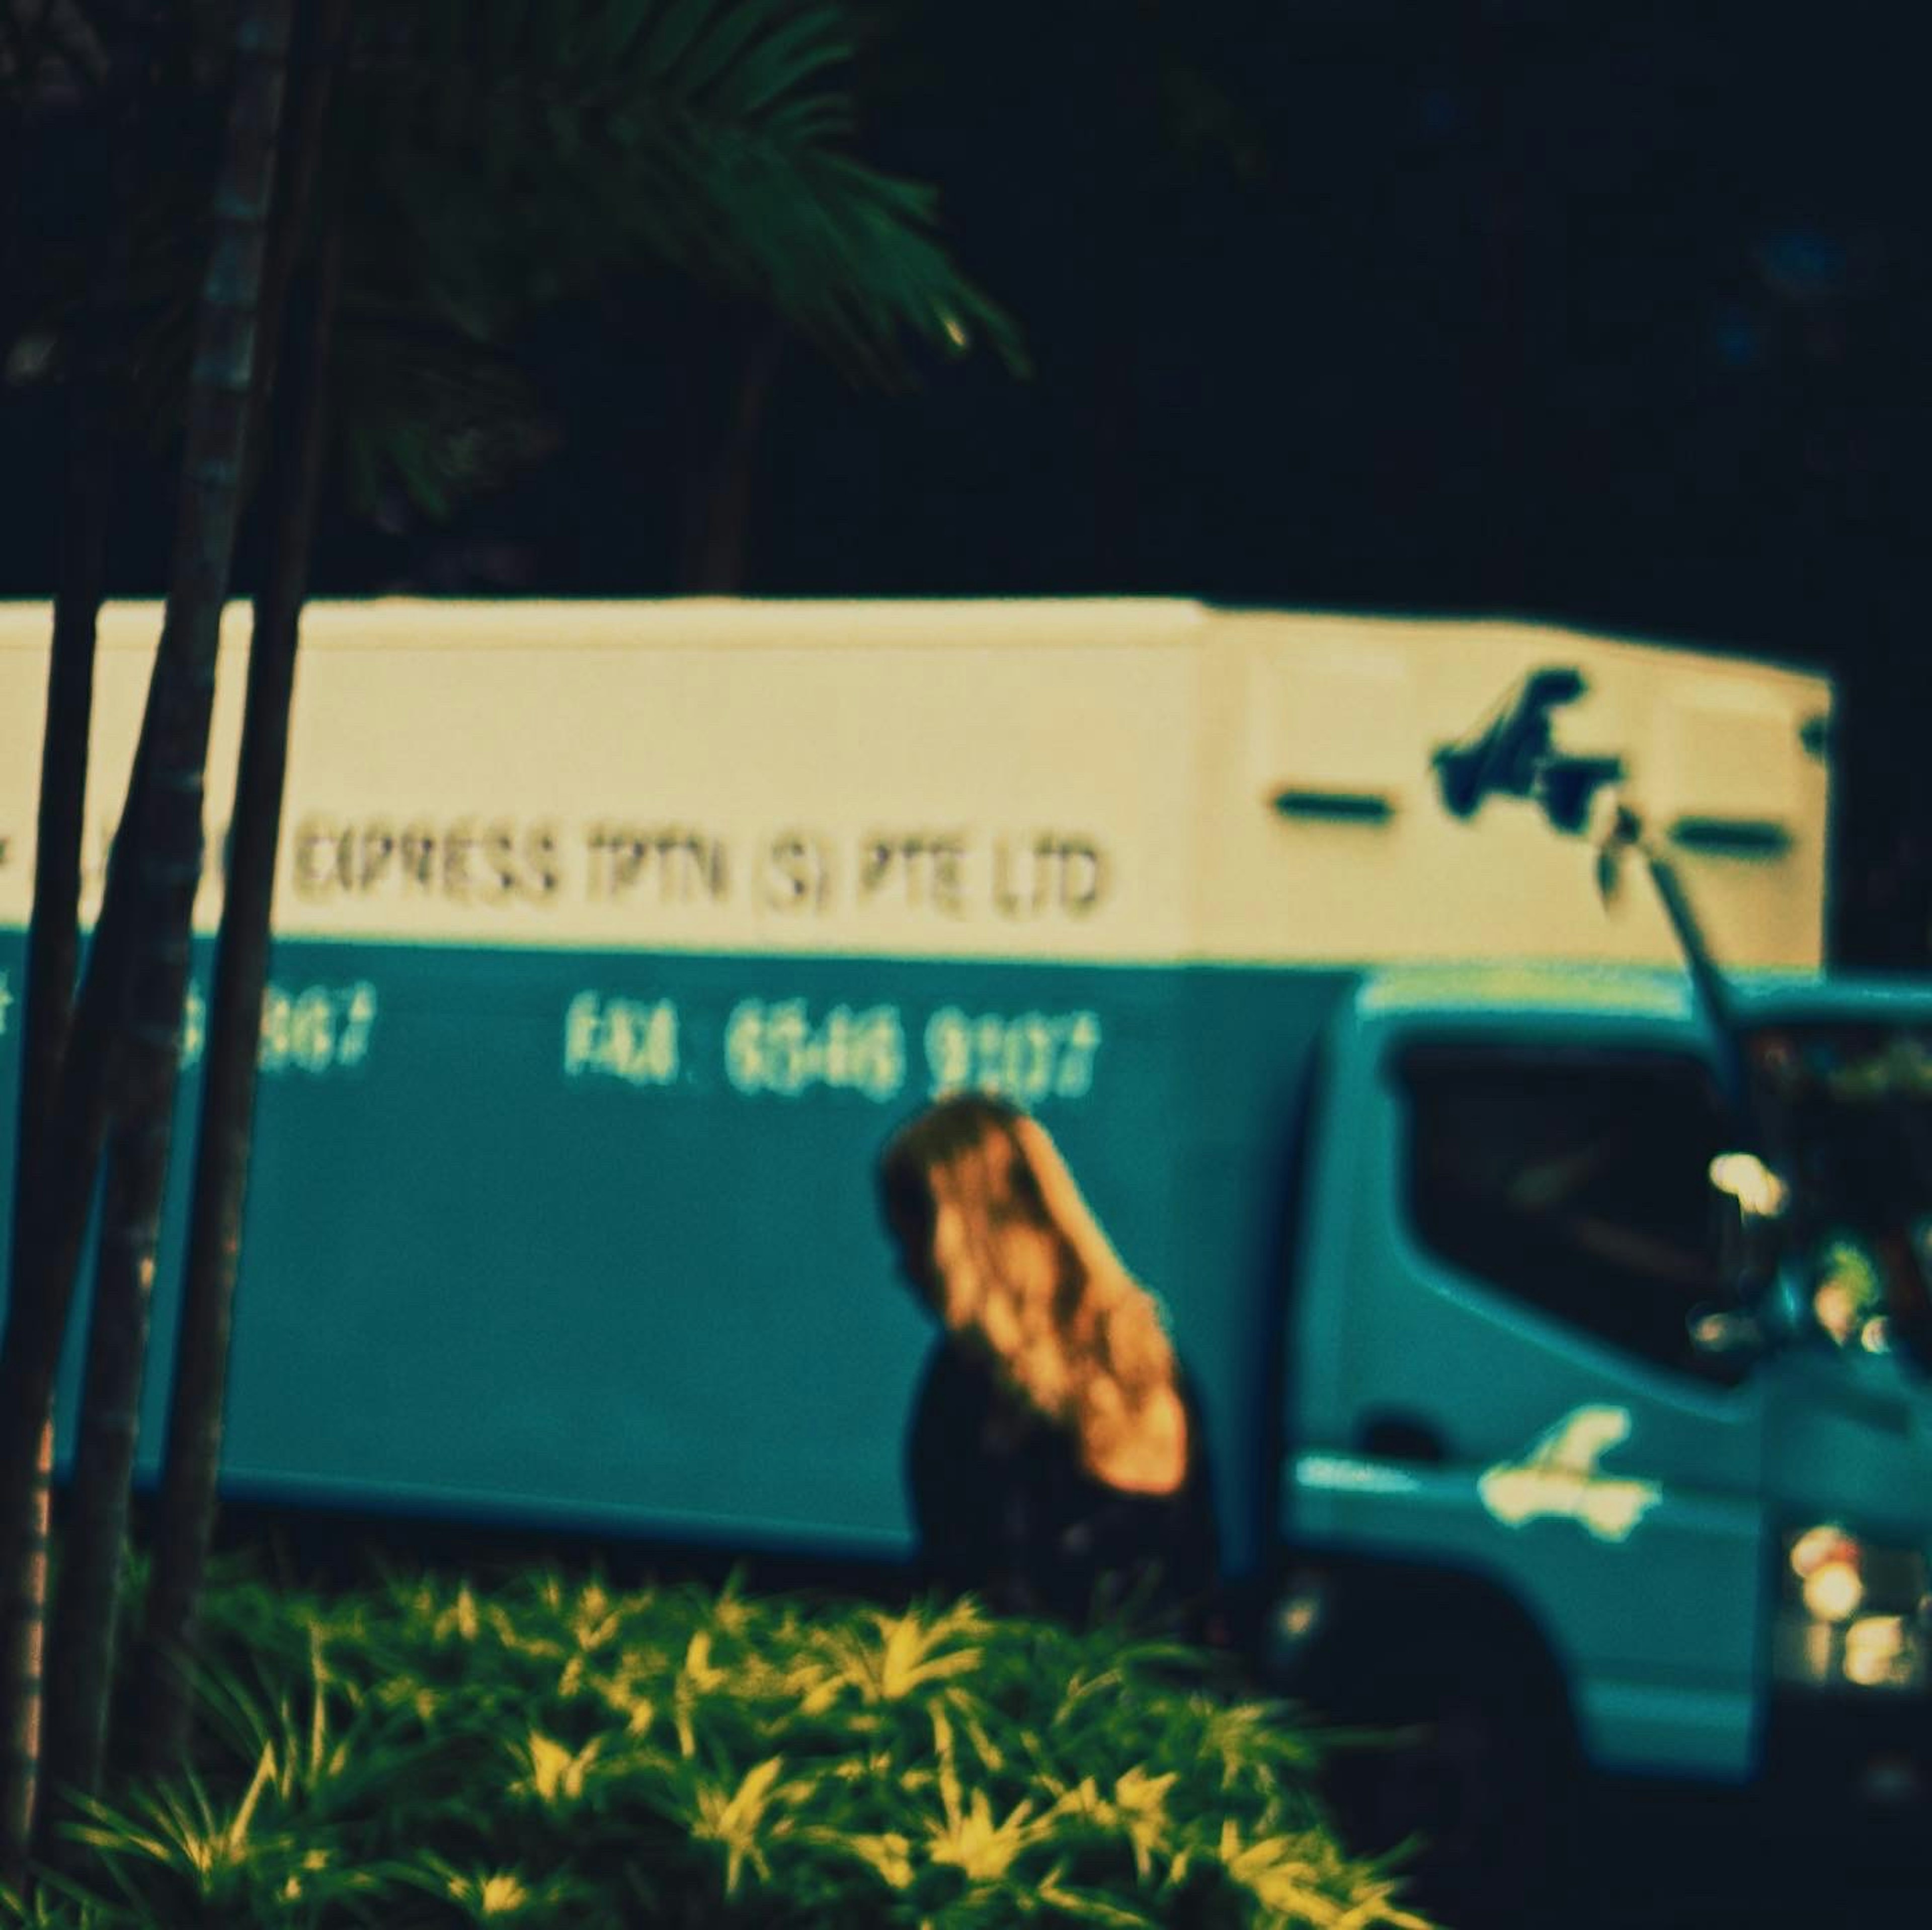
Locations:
1618 319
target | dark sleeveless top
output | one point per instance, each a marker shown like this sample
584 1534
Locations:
1004 1509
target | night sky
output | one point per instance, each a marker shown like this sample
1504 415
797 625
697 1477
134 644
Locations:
1616 316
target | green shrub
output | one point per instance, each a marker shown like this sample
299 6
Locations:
555 1753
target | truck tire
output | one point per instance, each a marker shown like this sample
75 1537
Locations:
1481 1780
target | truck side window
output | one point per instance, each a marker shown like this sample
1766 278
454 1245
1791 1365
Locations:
1576 1182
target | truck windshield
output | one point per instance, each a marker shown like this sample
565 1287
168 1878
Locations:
1849 1108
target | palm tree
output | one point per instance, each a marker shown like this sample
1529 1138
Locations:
495 156
81 1649
193 1449
704 99
29 41
156 863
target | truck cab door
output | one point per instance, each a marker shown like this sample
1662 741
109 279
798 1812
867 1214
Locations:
1504 1385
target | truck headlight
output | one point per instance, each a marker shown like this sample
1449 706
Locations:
1828 1566
1876 1648
1834 1591
1854 1614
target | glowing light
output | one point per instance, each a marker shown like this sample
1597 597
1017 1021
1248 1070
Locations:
1817 1546
1874 1649
1747 1179
1296 1618
1835 1307
1835 1590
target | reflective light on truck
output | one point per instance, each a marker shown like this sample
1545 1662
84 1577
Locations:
1347 1474
1560 1479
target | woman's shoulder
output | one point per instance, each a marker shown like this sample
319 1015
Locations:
953 1374
964 1399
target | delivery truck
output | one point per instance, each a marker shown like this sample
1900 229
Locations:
612 941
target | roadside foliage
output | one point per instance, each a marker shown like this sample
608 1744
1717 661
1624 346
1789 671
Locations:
426 1752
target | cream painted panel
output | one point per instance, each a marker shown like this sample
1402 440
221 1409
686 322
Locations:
1334 715
1424 885
126 636
1077 780
1728 750
1016 792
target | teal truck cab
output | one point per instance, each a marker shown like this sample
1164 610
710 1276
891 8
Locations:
1555 1323
1569 1469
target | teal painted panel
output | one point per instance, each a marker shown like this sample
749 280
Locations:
589 1239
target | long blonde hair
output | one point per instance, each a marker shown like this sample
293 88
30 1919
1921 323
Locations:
999 1242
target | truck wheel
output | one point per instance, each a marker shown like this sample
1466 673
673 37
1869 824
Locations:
1486 1788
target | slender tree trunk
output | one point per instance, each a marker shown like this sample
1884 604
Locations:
158 852
52 954
184 1525
88 1609
53 934
80 1651
23 1608
50 1222
26 1647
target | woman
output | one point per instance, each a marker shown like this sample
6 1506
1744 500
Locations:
1056 1461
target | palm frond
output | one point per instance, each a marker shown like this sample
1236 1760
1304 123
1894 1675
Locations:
708 136
495 156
